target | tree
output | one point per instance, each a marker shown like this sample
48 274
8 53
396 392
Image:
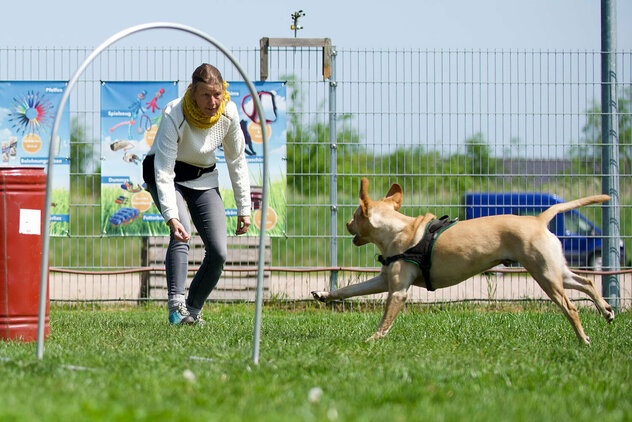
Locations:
479 160
83 157
308 144
591 146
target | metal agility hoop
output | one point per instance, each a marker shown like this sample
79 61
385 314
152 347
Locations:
54 146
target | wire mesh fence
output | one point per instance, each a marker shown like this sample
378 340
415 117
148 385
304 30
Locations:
442 124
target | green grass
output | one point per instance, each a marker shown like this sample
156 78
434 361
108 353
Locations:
455 364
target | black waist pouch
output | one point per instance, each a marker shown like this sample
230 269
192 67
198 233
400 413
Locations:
184 171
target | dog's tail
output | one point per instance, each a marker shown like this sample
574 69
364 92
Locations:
548 215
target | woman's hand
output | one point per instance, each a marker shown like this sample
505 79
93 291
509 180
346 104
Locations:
178 230
243 222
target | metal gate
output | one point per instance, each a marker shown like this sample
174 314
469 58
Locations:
439 123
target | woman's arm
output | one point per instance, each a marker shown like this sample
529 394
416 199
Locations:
166 150
178 230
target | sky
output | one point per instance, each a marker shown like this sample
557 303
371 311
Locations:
402 24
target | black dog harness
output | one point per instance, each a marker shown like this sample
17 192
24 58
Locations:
421 253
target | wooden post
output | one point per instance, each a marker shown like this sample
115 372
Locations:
143 294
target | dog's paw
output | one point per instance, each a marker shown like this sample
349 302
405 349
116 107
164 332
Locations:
321 296
375 336
584 341
609 315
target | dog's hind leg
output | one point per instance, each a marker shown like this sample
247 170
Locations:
373 285
550 280
586 286
546 264
570 310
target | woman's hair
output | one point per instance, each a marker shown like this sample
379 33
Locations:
208 74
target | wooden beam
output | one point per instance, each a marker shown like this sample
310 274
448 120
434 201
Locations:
265 43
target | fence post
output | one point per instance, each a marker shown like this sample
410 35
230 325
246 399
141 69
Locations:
333 175
610 154
143 294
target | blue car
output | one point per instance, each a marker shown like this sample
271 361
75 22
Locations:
581 239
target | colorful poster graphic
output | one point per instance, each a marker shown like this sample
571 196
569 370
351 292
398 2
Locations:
130 115
273 100
27 114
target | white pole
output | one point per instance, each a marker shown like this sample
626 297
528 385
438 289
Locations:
54 146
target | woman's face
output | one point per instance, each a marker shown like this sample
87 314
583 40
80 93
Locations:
208 97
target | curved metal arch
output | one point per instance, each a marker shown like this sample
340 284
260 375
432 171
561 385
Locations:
54 145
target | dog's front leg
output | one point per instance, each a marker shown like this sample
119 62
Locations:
400 278
394 303
373 285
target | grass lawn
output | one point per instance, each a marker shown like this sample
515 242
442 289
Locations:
459 363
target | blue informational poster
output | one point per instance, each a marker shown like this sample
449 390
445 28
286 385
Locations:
130 115
273 100
27 114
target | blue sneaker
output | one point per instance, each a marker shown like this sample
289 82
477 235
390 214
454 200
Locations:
181 316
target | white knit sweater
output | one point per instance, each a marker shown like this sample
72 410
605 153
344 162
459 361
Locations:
177 140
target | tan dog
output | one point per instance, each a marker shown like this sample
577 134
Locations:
462 251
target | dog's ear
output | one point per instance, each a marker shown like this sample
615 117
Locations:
395 195
364 196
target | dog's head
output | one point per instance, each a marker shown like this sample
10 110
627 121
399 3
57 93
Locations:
371 215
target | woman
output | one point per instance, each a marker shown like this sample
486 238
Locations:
184 176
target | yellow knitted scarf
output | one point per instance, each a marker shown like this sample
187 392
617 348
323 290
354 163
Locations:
194 115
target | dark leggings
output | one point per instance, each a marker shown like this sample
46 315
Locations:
207 212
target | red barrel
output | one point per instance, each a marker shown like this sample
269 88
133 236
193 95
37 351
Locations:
22 201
